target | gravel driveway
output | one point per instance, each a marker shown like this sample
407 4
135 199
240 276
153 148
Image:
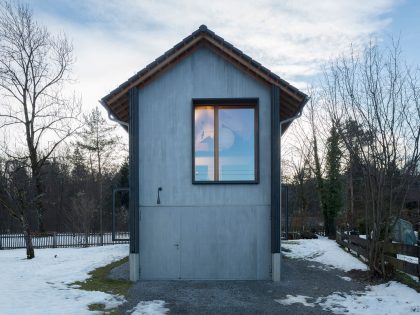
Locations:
299 277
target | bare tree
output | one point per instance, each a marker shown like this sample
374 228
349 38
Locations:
83 209
310 140
34 65
379 94
17 197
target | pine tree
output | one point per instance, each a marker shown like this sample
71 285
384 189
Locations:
99 140
123 182
79 170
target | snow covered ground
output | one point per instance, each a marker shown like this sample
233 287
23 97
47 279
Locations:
324 251
41 285
156 307
389 298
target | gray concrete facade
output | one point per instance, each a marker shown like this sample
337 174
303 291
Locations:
200 231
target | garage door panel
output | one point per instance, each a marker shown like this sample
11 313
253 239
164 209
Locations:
215 242
159 243
223 243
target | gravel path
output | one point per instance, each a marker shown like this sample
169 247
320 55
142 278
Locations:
300 277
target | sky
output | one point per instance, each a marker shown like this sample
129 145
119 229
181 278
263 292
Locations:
114 39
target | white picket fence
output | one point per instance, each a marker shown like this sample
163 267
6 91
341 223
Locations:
55 240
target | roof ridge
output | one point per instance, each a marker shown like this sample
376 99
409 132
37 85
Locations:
205 31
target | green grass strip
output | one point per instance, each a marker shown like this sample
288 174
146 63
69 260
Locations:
407 280
99 281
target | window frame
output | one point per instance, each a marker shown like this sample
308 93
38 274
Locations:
226 103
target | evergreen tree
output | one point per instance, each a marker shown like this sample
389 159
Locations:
355 139
79 170
123 182
123 172
332 184
99 140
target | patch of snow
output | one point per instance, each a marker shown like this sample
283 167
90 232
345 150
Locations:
301 299
323 250
410 259
346 278
321 267
41 285
156 307
384 299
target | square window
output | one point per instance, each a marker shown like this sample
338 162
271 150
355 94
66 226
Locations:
225 142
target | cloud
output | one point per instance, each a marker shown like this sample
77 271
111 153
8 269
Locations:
114 39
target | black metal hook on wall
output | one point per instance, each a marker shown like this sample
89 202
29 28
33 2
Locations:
158 198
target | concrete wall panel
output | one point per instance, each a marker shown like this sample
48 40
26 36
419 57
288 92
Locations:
223 230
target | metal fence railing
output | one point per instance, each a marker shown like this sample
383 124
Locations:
57 240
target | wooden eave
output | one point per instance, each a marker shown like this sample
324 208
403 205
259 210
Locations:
292 100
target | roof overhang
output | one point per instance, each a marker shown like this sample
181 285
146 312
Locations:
116 102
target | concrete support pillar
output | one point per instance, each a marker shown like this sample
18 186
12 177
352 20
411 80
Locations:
134 265
275 266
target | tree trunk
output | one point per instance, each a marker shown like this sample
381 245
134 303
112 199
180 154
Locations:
331 227
39 190
326 225
100 198
30 253
86 236
350 218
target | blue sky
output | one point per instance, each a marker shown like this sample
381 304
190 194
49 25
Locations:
406 23
114 39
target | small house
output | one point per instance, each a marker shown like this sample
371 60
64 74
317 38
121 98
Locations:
204 123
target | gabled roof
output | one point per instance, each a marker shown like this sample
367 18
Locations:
116 102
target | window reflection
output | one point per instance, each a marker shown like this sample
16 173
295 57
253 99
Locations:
236 144
204 143
224 142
